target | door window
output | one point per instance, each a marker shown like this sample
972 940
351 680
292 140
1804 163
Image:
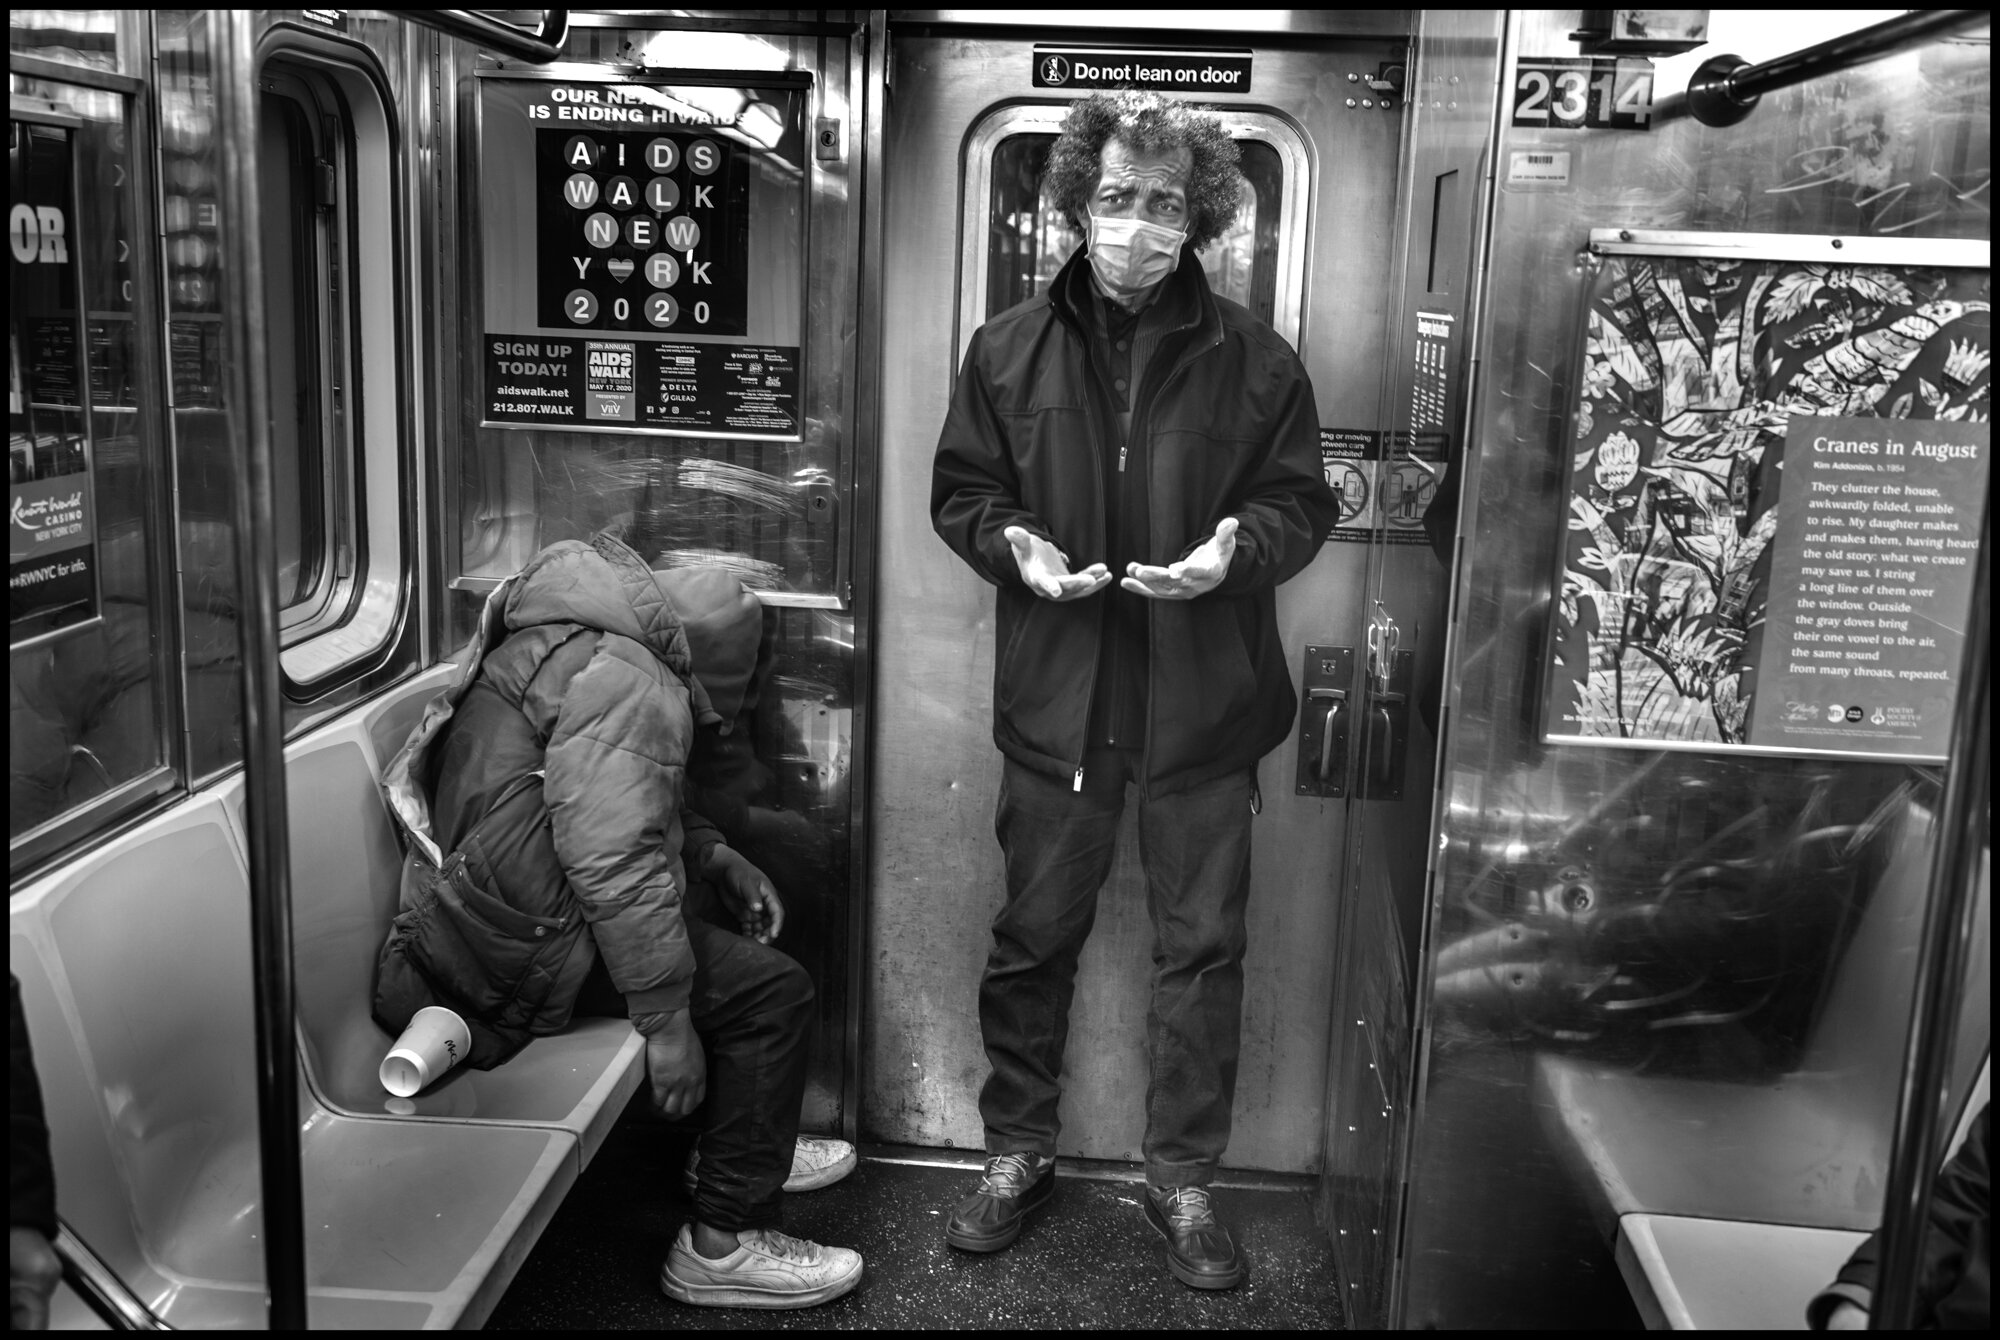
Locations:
90 708
1015 242
1029 239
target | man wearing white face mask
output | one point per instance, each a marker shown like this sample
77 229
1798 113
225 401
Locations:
1134 463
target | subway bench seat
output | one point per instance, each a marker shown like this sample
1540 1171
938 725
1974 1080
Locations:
135 971
1730 1205
346 871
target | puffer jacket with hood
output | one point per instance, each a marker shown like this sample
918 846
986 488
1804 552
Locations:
541 799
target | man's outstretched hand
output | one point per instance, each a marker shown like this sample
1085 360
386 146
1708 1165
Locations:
1045 568
1197 574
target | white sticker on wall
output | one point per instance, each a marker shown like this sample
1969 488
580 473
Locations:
1544 168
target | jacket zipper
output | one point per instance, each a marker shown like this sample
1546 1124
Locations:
1104 606
1152 652
1097 466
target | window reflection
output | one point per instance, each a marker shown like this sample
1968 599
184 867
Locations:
87 709
1029 239
82 37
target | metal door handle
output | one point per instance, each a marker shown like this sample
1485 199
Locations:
1381 740
1336 704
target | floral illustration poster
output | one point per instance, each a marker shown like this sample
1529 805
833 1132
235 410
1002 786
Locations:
1775 480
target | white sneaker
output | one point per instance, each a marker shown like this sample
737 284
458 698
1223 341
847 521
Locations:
817 1161
768 1269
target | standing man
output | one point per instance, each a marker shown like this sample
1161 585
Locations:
1134 463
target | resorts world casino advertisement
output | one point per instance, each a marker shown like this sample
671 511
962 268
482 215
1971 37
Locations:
52 561
643 256
1776 472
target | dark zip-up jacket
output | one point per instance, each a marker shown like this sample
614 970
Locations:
1227 418
541 798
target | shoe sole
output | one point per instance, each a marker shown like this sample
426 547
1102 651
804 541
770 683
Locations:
1194 1279
732 1295
970 1242
825 1177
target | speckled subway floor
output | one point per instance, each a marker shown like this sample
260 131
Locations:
1091 1260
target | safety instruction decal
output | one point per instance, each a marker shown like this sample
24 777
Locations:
1382 490
1169 70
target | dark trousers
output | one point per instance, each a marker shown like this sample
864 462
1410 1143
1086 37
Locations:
1058 845
752 1010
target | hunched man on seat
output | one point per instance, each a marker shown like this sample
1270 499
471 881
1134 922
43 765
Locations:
549 873
1129 422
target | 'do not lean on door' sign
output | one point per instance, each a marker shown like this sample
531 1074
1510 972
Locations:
1169 71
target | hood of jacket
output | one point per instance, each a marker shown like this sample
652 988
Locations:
601 584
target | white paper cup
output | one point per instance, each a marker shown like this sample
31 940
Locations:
436 1040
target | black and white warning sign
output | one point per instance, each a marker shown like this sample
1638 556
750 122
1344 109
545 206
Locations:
1169 69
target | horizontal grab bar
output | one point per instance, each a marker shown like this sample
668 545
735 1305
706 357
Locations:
1726 88
539 47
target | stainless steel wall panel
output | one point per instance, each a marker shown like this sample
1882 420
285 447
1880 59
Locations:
935 876
1442 181
1535 1125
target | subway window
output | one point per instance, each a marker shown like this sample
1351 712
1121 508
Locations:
302 143
91 711
325 155
1030 239
1014 242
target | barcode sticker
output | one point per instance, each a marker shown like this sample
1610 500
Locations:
1537 170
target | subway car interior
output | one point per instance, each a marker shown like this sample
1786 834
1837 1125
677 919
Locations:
1618 922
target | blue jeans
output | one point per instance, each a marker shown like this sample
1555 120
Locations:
1058 845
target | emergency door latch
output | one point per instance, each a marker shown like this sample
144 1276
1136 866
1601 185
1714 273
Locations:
1387 742
1324 721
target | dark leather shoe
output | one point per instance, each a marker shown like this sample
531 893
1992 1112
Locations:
1200 1251
1013 1187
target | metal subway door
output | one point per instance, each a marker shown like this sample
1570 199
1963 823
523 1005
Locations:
968 131
654 337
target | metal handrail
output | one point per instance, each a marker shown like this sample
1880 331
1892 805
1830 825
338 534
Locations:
1726 88
247 385
538 48
1950 913
99 1286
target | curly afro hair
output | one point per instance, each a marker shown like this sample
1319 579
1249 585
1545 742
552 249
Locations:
1151 123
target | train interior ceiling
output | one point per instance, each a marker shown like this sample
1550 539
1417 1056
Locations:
1619 916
